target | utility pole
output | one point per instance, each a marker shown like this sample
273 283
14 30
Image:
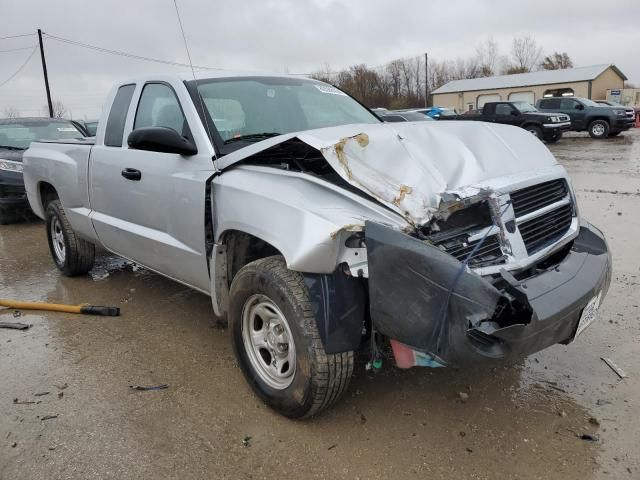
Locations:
426 80
44 71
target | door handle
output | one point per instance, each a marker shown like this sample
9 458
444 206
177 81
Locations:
131 174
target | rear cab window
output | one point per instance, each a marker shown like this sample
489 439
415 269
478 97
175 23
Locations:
118 116
550 103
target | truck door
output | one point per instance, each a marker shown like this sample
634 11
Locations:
150 206
575 110
507 114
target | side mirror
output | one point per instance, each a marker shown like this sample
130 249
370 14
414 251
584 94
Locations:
160 139
515 113
579 106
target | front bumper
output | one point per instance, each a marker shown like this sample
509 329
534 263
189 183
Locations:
622 124
12 191
557 127
427 301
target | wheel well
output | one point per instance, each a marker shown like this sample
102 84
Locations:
605 119
47 193
244 248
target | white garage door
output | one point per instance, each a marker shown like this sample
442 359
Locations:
493 97
522 97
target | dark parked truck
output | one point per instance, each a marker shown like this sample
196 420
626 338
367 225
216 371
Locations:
317 229
601 121
15 136
543 125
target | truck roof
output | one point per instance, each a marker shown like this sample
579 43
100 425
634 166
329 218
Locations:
202 74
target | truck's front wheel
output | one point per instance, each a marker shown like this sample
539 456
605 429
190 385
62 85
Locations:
72 254
277 343
599 129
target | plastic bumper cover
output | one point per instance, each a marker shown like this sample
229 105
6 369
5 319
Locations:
415 299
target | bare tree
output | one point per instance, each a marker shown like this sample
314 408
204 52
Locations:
557 61
525 55
59 109
11 112
487 57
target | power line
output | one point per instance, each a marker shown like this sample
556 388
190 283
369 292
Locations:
17 36
21 67
16 49
126 54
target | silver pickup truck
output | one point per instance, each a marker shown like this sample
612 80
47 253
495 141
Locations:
318 230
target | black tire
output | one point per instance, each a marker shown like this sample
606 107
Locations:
599 129
319 379
534 130
8 216
553 138
79 254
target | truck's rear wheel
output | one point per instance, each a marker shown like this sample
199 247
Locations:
72 255
599 129
277 343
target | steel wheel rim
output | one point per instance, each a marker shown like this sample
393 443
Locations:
534 132
268 342
57 240
598 130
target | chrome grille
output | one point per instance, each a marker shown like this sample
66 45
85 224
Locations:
542 231
489 252
530 199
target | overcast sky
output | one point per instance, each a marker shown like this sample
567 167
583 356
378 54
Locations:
295 36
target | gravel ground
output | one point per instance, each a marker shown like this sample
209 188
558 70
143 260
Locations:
67 412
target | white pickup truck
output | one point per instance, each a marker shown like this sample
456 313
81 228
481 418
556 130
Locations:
317 229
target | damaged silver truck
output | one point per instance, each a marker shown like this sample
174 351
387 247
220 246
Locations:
318 230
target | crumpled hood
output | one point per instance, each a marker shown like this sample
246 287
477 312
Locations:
408 166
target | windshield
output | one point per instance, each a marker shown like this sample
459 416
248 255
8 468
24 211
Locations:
589 103
252 108
417 117
20 133
525 107
445 112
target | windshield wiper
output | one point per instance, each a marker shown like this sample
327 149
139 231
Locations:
11 147
253 136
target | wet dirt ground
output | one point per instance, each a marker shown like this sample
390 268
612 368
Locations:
521 421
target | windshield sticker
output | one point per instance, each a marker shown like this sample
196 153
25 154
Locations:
66 129
330 89
271 93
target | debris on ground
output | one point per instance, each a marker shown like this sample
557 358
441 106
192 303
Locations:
14 444
141 388
601 402
246 441
588 437
14 325
17 313
611 364
60 394
62 387
594 421
463 396
41 394
49 417
24 402
332 446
